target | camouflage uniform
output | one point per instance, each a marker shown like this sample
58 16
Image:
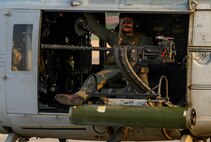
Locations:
111 37
103 76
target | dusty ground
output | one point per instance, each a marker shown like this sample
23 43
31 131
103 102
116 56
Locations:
3 138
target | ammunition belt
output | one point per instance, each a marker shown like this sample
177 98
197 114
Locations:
121 57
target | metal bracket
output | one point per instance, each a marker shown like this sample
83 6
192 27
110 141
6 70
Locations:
193 4
7 12
12 137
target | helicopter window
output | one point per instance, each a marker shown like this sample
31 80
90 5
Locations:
21 48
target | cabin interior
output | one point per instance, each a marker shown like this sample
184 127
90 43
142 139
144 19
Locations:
63 70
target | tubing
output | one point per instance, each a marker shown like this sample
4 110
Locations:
130 116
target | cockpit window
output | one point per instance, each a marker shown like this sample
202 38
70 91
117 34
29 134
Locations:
22 48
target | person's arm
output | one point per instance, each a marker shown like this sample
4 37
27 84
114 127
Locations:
100 30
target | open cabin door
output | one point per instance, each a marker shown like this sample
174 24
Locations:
22 58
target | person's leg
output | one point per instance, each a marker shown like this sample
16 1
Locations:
79 97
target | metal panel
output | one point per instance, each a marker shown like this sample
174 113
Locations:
103 1
3 31
174 6
204 4
22 85
202 28
47 125
3 35
200 90
155 5
201 69
201 102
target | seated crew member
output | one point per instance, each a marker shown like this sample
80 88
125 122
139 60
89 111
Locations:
128 37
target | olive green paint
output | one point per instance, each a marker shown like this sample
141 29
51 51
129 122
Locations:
113 115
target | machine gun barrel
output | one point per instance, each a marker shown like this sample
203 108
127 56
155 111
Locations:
73 47
120 115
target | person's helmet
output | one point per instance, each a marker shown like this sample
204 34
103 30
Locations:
129 15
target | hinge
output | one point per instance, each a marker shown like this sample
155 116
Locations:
193 4
7 12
